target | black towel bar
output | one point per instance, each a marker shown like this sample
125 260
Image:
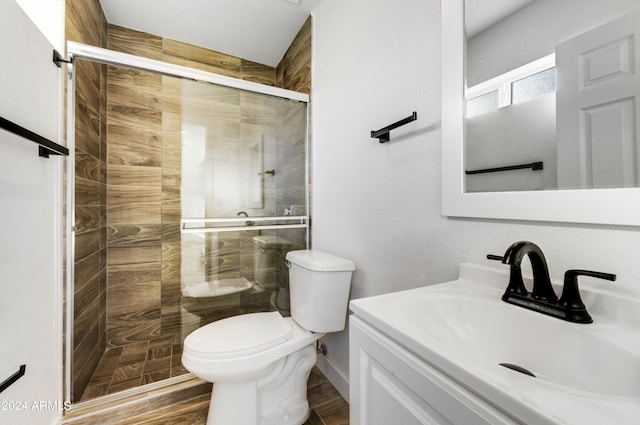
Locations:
13 378
534 166
47 147
383 134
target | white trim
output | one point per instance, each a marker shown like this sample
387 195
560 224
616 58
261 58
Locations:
334 375
110 57
600 206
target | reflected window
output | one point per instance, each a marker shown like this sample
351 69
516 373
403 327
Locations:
533 86
519 85
482 104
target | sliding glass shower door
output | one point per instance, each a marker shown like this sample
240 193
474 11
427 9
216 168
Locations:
187 191
244 200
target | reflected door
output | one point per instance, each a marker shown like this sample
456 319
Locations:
597 107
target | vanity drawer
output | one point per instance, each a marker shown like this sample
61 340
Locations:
390 385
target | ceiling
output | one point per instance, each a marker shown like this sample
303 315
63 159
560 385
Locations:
481 14
257 30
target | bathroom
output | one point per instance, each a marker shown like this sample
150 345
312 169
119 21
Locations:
376 204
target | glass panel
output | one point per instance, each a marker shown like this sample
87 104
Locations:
482 104
168 149
242 153
533 86
230 273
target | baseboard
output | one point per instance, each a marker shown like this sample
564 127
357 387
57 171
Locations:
334 375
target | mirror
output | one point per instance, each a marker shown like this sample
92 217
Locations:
597 205
553 91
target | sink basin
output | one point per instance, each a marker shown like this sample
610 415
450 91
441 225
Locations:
582 373
556 352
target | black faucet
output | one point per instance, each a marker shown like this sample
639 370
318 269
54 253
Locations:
543 298
542 289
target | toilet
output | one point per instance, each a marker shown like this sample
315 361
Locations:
259 363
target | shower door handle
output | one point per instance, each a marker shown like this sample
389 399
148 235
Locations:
227 224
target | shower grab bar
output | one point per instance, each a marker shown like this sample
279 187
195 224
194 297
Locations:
186 221
383 134
46 146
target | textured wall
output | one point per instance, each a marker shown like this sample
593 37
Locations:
31 207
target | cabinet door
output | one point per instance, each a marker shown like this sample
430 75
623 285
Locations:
389 386
388 400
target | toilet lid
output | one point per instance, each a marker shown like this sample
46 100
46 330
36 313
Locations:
240 335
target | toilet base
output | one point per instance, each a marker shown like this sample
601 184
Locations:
279 398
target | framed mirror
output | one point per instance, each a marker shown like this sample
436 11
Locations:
563 189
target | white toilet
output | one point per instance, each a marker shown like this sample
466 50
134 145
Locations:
260 362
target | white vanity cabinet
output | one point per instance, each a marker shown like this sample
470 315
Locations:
389 385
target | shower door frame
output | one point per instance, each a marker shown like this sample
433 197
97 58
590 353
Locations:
109 57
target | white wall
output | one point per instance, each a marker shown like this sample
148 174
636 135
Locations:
48 16
534 31
30 225
374 62
515 134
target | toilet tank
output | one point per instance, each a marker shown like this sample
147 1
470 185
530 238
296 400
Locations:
319 286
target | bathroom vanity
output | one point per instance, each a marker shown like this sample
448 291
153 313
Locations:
455 353
390 384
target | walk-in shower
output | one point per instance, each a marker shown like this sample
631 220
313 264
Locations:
185 191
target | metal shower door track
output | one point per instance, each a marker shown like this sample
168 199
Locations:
110 57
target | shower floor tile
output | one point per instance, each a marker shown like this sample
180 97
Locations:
131 366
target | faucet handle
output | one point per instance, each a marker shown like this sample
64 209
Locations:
495 257
601 275
570 298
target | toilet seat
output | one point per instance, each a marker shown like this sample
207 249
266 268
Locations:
239 336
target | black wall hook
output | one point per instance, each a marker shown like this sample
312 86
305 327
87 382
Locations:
383 134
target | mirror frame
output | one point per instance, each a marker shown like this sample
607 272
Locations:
599 206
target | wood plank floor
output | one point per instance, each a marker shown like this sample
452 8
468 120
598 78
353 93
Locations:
327 408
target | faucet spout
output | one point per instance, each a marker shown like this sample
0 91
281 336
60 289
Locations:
542 288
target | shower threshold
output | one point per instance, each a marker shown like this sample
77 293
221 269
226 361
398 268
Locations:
146 397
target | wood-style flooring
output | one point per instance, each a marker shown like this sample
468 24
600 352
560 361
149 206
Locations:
327 408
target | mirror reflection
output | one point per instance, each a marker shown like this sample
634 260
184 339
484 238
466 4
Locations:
551 92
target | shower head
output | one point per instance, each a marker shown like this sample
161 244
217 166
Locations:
278 104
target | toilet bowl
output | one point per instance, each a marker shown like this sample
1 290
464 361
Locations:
259 363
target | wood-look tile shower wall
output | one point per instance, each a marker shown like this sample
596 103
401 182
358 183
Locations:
127 247
86 23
